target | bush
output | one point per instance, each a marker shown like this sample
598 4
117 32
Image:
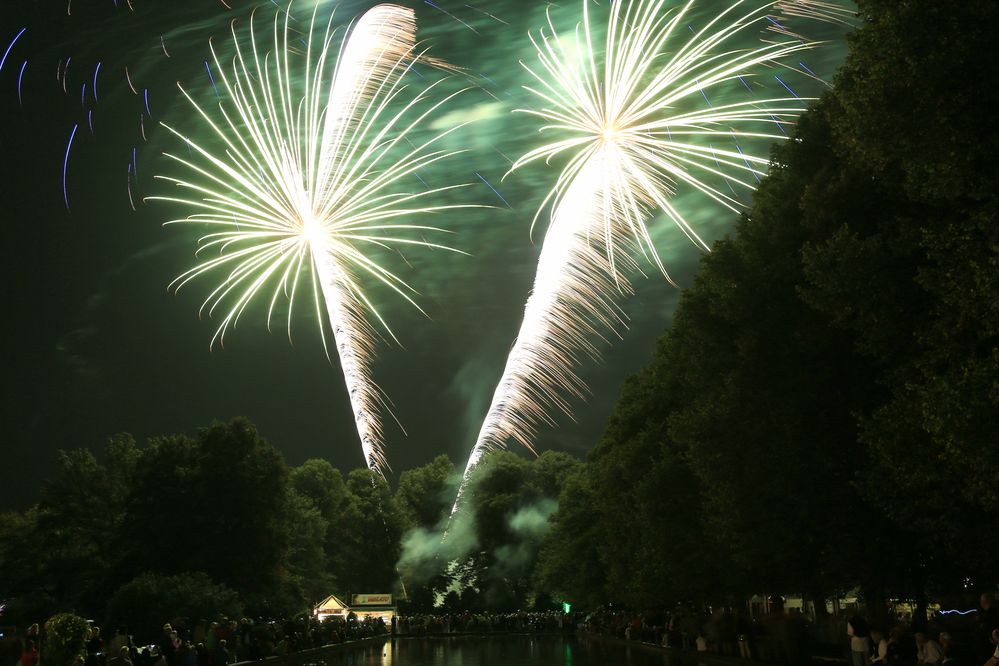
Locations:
66 637
145 603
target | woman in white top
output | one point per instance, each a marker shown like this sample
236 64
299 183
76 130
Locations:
860 642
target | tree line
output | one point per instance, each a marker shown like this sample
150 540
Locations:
822 414
218 524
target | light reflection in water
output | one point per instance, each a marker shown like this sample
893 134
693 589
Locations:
501 650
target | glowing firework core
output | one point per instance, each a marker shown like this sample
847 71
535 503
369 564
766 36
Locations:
309 178
628 147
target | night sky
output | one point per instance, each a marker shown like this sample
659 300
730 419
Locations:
96 344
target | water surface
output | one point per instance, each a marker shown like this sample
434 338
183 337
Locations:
508 650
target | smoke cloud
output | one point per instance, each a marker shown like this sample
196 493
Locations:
428 554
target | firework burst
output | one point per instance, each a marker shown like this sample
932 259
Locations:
305 181
634 126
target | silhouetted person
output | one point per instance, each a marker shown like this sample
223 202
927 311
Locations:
994 659
879 648
928 651
222 654
894 653
30 655
952 654
860 642
95 647
117 642
168 645
988 620
122 658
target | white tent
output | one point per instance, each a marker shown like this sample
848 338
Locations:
330 607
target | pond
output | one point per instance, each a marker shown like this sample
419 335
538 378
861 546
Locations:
504 650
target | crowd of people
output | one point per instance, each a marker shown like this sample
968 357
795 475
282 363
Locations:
776 637
928 642
480 622
226 641
790 638
204 643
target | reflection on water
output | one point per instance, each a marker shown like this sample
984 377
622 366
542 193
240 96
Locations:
488 651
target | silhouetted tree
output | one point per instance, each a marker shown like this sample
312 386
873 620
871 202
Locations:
425 493
215 504
375 530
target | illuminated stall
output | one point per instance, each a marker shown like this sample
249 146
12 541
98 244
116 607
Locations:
373 606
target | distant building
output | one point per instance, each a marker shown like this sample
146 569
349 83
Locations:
373 605
362 605
330 607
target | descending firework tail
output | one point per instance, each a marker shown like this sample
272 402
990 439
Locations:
570 306
832 12
787 13
308 178
627 150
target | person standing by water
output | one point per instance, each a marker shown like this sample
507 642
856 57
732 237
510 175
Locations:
95 648
879 648
994 659
117 642
928 651
30 655
122 657
988 621
860 642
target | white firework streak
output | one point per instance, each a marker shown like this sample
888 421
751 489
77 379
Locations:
308 178
830 12
570 305
629 149
787 12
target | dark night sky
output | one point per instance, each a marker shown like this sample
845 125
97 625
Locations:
95 344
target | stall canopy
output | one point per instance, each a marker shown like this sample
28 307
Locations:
373 606
362 605
330 607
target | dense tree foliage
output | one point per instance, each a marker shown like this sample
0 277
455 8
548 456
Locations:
322 486
308 564
376 530
511 502
819 416
425 493
66 635
820 413
217 523
917 280
144 603
207 524
215 503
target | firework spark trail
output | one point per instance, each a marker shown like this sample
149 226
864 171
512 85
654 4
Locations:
20 79
65 166
830 12
570 305
629 148
11 46
788 12
121 46
308 179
